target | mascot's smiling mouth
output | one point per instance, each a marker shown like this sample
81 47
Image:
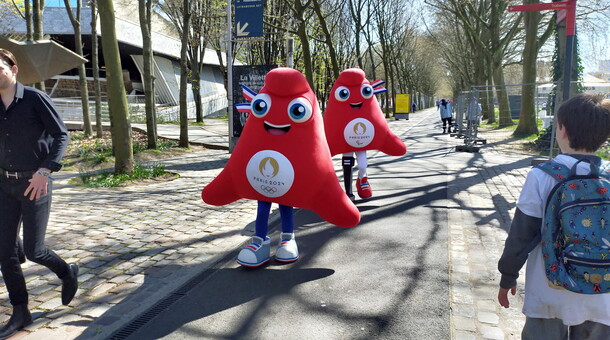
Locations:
356 105
277 130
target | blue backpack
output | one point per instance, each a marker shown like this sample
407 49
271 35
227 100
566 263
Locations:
575 239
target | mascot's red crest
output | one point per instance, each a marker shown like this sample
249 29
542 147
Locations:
353 120
282 155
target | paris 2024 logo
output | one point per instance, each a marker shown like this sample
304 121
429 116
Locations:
270 173
359 132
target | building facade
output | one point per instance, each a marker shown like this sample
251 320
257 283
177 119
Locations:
166 48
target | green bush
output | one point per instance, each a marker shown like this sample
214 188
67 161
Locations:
110 179
99 150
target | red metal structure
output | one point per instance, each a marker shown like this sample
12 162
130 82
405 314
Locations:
566 10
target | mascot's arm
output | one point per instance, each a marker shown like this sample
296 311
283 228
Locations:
394 146
220 191
341 211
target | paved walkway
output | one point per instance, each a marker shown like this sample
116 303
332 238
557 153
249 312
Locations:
138 244
482 200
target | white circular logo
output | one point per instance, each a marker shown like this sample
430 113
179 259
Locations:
359 133
270 173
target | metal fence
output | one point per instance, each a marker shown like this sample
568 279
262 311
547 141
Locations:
468 116
70 110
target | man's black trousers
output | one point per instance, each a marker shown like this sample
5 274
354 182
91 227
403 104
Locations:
14 206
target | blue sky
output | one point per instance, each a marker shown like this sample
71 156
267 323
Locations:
60 3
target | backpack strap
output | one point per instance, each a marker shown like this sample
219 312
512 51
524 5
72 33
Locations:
560 172
604 170
557 171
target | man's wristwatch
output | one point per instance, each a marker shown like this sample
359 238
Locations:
45 173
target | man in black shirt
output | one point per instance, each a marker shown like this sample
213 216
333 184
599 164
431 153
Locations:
32 142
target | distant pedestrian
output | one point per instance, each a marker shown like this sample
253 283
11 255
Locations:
583 126
32 142
413 107
438 103
446 114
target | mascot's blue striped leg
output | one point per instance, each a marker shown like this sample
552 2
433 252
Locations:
287 250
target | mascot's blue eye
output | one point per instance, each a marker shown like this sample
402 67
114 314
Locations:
341 93
261 105
367 91
299 110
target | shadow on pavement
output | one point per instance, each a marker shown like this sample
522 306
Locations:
275 280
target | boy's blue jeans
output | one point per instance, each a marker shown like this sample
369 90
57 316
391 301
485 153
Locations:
554 329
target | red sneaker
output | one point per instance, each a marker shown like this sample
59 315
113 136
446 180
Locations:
364 188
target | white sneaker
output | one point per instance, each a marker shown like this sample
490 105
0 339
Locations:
287 250
256 253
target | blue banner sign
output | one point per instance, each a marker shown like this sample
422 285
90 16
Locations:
248 18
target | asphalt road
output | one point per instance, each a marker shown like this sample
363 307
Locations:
386 278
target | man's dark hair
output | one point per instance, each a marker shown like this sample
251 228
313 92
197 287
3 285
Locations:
586 119
8 57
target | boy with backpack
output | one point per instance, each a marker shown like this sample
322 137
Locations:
560 228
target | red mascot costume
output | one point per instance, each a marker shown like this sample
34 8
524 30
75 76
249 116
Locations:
282 157
354 123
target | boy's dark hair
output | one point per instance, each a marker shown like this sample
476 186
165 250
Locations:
586 119
8 57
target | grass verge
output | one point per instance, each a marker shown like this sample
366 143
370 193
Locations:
106 179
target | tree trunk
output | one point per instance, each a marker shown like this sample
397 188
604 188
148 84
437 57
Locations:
99 129
82 76
117 100
184 127
195 86
38 8
504 118
491 113
389 103
29 35
527 117
145 12
302 34
374 68
332 54
357 20
392 87
480 77
371 43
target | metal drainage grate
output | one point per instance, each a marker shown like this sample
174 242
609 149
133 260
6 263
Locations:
162 305
166 302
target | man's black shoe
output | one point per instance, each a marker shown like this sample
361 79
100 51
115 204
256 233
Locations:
21 317
70 284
